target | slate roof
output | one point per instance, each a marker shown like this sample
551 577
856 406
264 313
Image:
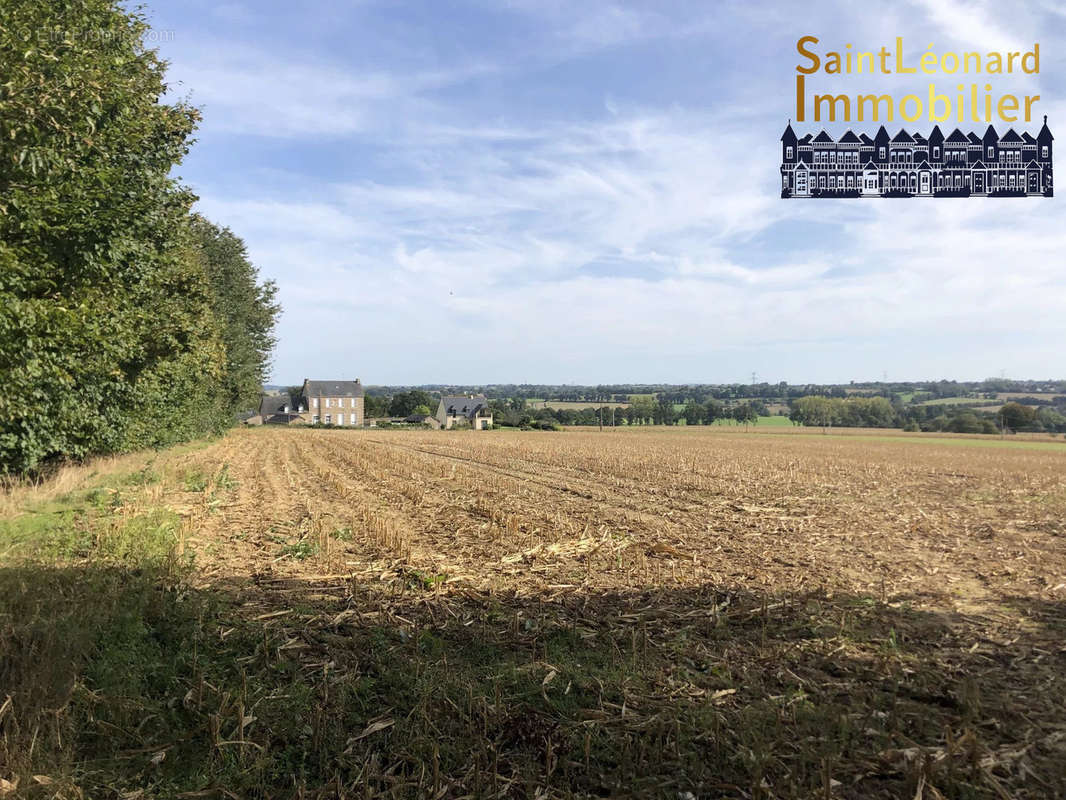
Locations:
806 139
460 405
849 138
958 136
789 135
974 138
1028 139
1011 136
823 138
866 139
333 388
903 136
1045 134
275 404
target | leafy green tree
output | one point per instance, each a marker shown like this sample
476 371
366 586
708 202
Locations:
404 404
643 408
693 413
376 406
245 311
712 410
966 422
107 333
745 413
664 413
1015 416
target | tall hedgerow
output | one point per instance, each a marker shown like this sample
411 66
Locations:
108 333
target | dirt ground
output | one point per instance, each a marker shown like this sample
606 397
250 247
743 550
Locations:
663 612
946 527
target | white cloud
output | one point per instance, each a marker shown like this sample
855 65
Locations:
634 237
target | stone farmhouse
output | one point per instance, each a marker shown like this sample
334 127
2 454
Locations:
320 402
464 410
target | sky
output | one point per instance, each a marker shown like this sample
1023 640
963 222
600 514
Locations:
539 191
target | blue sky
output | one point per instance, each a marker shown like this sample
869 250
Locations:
463 192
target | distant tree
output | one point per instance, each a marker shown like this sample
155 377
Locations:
744 413
404 404
376 406
693 413
712 410
1016 417
423 410
644 408
664 413
966 422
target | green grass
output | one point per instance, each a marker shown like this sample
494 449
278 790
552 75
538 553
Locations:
764 422
959 401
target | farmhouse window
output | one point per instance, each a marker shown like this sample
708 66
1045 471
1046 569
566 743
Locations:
314 402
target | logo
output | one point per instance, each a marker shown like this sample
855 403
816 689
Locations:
912 163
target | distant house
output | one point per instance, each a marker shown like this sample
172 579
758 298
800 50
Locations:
334 402
278 409
320 402
464 410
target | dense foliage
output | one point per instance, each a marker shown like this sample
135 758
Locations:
110 334
245 311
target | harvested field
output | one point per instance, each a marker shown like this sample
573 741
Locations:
508 614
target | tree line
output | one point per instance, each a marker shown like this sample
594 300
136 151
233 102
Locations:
126 320
641 410
879 412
